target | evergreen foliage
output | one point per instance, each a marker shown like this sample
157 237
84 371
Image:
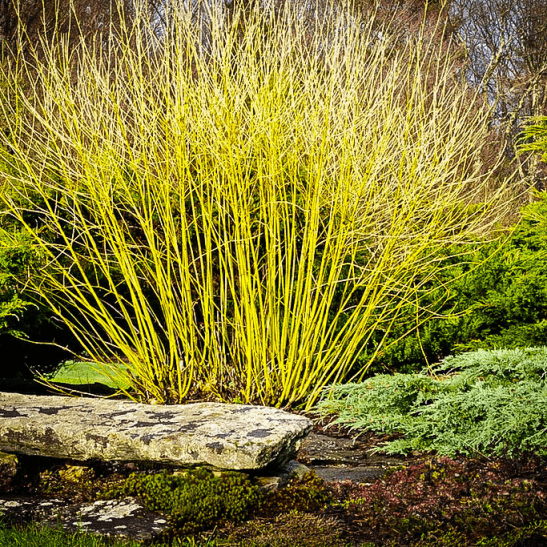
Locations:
497 298
24 318
487 402
15 259
534 138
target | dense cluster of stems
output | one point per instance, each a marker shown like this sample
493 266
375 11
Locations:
232 206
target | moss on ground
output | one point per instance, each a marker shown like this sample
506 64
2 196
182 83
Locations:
196 500
445 502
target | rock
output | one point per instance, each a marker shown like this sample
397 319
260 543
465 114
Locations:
365 475
227 436
339 458
116 518
21 510
8 469
324 450
125 518
281 477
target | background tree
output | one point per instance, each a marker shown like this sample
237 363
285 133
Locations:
506 43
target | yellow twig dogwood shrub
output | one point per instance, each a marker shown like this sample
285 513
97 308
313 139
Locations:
229 207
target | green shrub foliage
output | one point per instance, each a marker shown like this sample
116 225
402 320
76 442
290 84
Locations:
24 319
17 259
497 299
487 402
534 137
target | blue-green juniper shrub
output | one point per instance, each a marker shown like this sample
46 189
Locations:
485 402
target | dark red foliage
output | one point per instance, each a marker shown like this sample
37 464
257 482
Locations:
472 497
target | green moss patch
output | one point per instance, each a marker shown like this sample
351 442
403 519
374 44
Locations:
195 500
200 499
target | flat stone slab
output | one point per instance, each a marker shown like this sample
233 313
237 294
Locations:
226 436
340 459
